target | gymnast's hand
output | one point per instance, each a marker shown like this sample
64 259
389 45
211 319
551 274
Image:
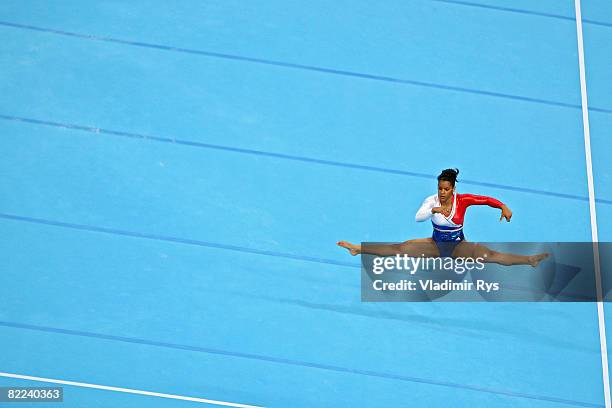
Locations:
440 210
506 213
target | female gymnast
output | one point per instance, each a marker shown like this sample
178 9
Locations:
446 211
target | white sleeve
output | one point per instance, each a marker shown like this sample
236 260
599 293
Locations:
424 213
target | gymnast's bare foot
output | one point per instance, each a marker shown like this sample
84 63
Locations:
534 260
353 249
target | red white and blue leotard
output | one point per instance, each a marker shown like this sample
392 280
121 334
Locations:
450 229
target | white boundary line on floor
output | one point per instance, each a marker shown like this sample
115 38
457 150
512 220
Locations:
592 208
127 390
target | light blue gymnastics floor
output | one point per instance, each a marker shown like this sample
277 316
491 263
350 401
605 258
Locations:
174 177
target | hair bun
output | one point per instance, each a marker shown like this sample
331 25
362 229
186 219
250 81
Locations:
449 175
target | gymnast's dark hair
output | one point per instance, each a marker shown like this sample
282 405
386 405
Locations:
449 175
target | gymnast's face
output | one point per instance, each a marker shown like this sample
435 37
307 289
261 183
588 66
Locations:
445 190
